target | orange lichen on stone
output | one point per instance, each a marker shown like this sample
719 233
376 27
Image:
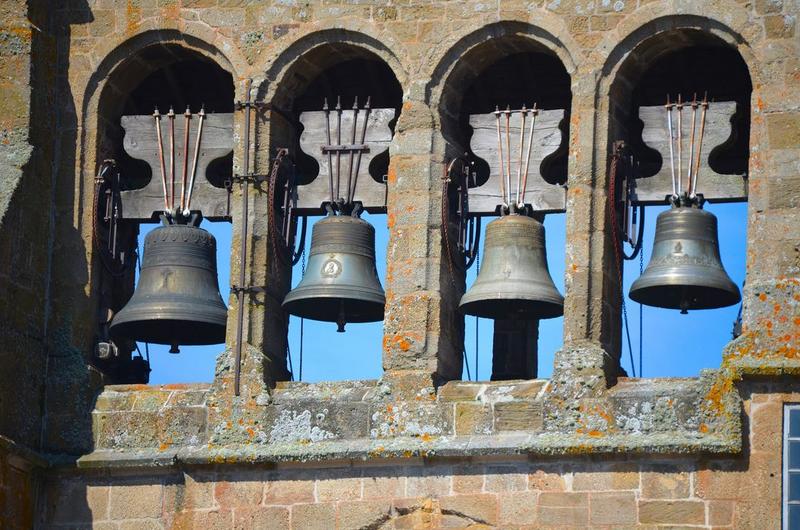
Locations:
175 386
703 428
172 11
716 395
133 17
396 341
762 296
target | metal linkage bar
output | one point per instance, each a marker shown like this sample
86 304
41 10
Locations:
202 117
352 195
354 149
349 148
157 116
187 115
243 243
514 200
693 184
689 192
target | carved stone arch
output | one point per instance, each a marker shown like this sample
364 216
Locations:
123 64
654 18
647 33
640 51
463 68
305 72
320 49
452 59
644 48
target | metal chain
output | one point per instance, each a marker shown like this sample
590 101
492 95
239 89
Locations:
477 271
641 313
612 177
302 320
445 226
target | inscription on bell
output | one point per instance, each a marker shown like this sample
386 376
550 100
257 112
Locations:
331 268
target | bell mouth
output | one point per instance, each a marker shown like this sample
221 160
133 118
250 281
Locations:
509 308
171 332
686 297
324 308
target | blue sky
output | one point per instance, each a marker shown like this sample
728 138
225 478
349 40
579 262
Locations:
674 344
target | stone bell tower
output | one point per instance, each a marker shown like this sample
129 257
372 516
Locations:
84 441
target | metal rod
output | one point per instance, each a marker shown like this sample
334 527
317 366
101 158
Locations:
528 156
338 142
171 116
352 141
680 144
201 118
691 146
508 154
704 106
286 207
358 156
243 244
157 117
186 117
500 156
326 109
523 115
668 106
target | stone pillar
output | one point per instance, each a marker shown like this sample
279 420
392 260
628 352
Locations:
25 208
267 279
418 345
771 314
515 349
591 305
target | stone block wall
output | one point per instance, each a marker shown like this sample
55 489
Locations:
509 491
416 448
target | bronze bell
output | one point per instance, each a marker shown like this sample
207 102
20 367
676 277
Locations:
177 300
685 271
514 281
341 282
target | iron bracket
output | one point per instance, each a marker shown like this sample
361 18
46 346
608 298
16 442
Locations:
255 178
352 148
458 181
235 289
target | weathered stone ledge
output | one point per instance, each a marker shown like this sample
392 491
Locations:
407 450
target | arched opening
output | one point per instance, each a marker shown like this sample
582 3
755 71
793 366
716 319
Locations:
690 63
508 71
160 76
345 74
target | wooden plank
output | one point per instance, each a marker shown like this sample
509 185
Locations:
140 142
718 130
540 194
371 193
